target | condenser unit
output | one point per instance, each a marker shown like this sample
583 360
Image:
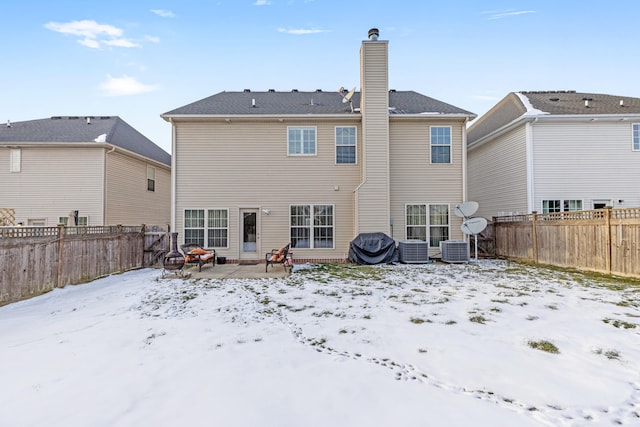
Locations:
413 251
454 251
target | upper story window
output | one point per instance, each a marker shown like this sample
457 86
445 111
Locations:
440 144
151 178
15 161
346 145
550 206
636 137
301 141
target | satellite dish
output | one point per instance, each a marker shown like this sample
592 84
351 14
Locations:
474 225
348 96
466 209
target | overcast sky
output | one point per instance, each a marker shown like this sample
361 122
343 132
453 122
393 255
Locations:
140 59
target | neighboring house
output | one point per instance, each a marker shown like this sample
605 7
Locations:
253 171
98 166
555 151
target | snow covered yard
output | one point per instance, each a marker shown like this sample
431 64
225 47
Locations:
487 344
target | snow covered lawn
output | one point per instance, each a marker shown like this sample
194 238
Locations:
487 344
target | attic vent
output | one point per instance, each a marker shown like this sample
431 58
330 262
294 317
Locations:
294 90
272 90
105 117
318 90
554 99
73 117
247 90
392 90
56 118
586 98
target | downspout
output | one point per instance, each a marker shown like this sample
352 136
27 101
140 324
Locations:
173 176
104 186
464 170
530 164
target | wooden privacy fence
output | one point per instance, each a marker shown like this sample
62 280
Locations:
34 260
604 240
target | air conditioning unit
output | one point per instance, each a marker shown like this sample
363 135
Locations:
454 251
413 251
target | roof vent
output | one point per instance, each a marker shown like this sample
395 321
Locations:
373 34
554 99
294 90
392 90
8 123
56 117
88 120
318 90
272 90
586 103
253 102
622 102
73 117
247 90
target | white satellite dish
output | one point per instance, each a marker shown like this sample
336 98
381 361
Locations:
474 225
466 209
347 98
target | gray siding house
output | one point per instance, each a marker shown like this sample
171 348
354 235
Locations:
99 166
555 151
253 171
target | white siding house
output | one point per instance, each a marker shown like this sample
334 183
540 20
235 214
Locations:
99 166
554 152
253 171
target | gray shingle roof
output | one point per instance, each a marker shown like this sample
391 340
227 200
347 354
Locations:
304 103
550 103
72 129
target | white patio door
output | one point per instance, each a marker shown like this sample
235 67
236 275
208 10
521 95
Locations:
249 234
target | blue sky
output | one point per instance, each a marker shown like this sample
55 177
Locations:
139 59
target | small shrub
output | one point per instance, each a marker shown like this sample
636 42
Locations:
477 319
544 346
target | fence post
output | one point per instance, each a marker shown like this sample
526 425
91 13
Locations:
607 258
120 244
143 231
61 234
534 219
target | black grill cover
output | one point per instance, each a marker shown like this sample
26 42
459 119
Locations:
373 248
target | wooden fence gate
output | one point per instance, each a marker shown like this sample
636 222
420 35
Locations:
156 244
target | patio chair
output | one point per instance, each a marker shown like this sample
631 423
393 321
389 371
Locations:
279 256
195 254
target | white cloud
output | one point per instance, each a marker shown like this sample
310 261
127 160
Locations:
92 34
300 31
499 15
262 3
125 85
164 13
152 39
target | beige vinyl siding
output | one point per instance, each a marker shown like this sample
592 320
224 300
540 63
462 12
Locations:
127 200
373 195
586 161
245 165
414 180
497 174
52 182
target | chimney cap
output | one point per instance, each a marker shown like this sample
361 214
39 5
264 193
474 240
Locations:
373 34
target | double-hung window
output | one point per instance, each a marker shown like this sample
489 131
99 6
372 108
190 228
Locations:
438 224
550 206
151 178
301 141
440 138
15 161
636 137
346 145
430 221
208 228
572 205
312 226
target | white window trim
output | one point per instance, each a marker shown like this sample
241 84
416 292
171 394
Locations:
562 202
428 224
205 229
633 127
315 142
15 160
355 145
450 145
311 226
